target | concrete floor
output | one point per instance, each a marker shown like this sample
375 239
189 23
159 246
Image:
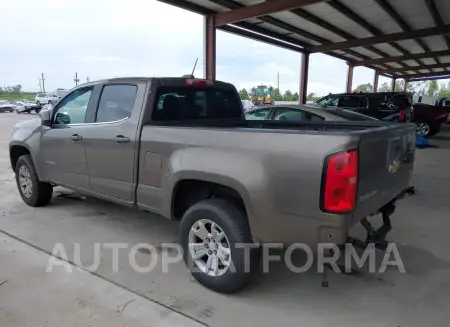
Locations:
417 298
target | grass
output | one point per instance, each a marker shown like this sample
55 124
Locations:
17 96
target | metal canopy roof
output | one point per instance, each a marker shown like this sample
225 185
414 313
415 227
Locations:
400 38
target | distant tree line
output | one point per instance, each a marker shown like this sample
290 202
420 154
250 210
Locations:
276 95
11 89
428 88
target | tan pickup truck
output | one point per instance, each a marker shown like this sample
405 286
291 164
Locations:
181 148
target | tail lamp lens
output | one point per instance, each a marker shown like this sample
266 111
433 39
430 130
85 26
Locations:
341 181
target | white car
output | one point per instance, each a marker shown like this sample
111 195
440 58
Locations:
26 106
6 106
45 98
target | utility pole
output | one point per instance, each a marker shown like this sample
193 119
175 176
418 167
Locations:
278 81
43 83
40 85
87 79
76 80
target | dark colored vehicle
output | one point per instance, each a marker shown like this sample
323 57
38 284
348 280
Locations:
429 118
305 113
182 148
388 106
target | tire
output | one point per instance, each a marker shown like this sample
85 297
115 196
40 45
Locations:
423 128
40 193
232 221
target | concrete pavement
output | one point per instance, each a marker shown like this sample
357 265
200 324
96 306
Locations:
417 298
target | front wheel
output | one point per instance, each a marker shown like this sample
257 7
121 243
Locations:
215 237
33 192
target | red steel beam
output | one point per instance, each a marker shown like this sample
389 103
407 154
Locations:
415 68
413 34
375 80
303 91
210 47
404 57
260 9
349 83
424 75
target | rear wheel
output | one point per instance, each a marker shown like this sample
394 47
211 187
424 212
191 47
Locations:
422 128
33 192
215 235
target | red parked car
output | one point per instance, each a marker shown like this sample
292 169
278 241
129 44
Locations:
429 118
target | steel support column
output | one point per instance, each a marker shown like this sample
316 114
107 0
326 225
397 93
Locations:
303 91
405 87
209 45
394 81
349 77
375 81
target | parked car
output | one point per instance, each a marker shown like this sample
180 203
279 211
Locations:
305 113
389 106
194 157
26 106
6 106
45 98
429 118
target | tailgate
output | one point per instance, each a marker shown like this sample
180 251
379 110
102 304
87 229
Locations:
386 159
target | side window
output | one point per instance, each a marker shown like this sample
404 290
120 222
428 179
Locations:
261 114
116 103
72 110
329 101
289 114
296 115
349 102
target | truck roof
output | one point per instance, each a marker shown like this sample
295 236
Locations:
163 80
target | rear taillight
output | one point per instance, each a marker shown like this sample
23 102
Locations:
402 115
198 82
340 182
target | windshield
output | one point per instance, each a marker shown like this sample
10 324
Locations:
262 91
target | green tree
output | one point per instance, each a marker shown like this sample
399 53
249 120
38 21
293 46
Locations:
444 91
365 88
295 96
433 87
243 94
287 96
384 87
276 95
312 97
399 85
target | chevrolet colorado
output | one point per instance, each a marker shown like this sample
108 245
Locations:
181 148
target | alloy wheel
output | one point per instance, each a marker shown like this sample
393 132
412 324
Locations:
25 183
209 247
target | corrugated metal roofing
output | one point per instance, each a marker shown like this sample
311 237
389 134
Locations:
371 20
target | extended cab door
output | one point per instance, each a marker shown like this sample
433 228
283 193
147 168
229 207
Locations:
113 139
63 143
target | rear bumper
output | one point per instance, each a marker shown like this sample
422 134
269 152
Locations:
290 229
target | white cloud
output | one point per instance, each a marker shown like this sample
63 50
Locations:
107 38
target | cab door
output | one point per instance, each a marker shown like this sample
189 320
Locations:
113 139
63 143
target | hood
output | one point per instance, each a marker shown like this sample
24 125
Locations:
28 124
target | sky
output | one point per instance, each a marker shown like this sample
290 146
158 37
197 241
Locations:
114 38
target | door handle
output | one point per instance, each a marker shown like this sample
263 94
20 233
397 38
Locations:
76 137
122 139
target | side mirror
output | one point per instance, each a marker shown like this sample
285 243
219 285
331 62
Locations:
46 117
62 118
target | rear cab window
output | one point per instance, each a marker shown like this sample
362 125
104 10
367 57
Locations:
178 103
